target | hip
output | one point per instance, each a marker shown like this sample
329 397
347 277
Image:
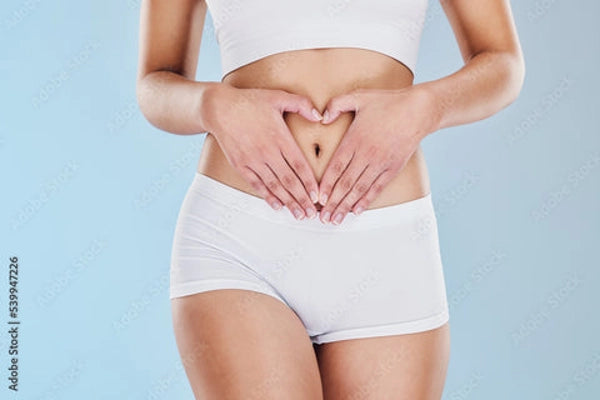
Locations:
331 275
410 183
321 74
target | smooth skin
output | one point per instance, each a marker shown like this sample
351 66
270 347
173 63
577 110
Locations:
238 344
377 148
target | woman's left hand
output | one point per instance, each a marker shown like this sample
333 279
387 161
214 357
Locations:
387 128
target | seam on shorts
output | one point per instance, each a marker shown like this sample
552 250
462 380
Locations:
206 285
414 326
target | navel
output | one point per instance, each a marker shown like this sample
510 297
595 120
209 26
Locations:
317 149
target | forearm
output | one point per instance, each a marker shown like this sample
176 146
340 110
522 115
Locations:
174 103
486 84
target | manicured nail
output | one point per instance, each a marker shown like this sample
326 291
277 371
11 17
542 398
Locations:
326 216
325 116
311 212
359 209
323 199
313 196
297 213
338 218
317 114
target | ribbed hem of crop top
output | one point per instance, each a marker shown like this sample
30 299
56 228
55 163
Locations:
247 31
400 41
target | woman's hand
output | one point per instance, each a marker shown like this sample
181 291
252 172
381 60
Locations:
248 124
387 128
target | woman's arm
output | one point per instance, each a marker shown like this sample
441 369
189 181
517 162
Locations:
389 124
494 66
170 36
247 123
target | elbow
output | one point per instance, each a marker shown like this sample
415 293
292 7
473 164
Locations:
515 75
145 92
140 94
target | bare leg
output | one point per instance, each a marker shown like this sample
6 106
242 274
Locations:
399 367
239 344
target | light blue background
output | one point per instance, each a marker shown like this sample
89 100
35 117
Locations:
91 191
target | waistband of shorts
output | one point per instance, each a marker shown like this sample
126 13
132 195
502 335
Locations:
234 198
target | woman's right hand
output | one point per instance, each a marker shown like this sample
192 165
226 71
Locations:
248 124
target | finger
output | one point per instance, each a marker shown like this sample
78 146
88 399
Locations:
360 188
339 104
282 166
299 164
258 184
342 188
336 166
299 104
273 183
378 184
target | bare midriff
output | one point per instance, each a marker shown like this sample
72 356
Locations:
321 74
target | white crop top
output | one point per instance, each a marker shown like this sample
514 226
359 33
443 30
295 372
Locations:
248 30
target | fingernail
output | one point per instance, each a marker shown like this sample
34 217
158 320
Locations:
297 213
325 116
310 212
323 199
313 196
276 205
359 209
326 216
338 218
317 114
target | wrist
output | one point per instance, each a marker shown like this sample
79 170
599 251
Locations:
431 106
210 97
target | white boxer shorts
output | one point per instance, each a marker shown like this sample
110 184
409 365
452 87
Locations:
378 273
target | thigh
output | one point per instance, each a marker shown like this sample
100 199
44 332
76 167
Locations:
398 367
241 344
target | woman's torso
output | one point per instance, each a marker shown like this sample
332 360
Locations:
321 74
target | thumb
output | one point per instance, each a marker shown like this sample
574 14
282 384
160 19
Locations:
339 104
300 104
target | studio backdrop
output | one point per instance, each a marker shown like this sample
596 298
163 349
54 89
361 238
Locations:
91 191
